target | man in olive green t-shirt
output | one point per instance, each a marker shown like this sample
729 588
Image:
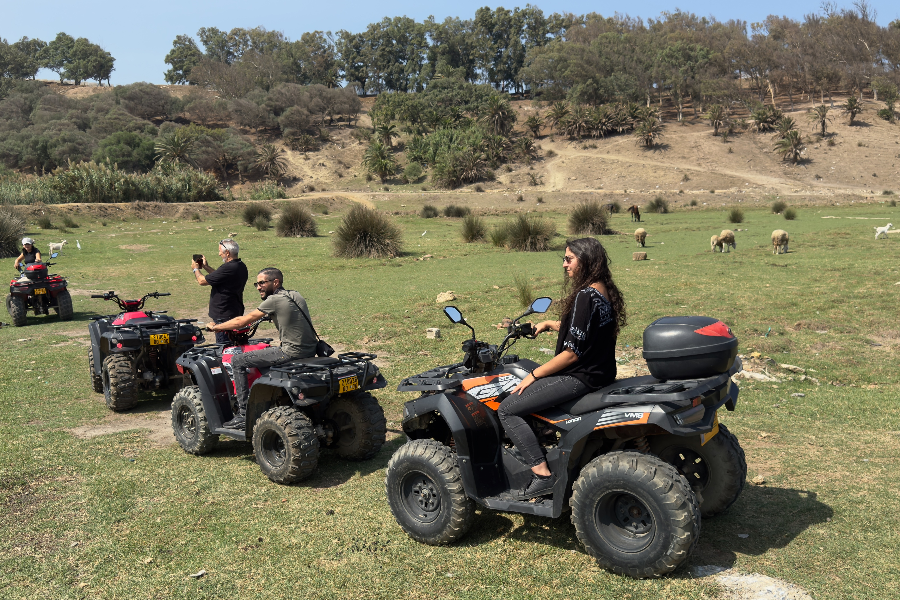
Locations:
297 337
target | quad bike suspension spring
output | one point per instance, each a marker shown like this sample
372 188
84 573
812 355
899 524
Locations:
642 444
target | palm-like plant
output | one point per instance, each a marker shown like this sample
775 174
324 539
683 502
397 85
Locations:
578 122
648 132
784 126
790 147
386 132
302 143
271 161
525 148
494 147
534 124
176 148
852 107
716 116
557 115
379 161
819 116
498 115
764 118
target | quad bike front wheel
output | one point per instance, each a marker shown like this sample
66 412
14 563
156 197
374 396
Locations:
64 306
358 424
96 380
635 514
119 382
17 310
716 470
285 445
189 422
425 492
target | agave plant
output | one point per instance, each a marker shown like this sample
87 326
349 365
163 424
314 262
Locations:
534 124
648 132
764 118
852 107
176 148
578 122
790 147
717 114
271 161
819 116
386 132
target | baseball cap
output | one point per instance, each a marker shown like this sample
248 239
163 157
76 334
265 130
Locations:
27 241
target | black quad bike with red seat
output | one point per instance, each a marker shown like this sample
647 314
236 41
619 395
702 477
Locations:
38 290
136 349
636 462
295 408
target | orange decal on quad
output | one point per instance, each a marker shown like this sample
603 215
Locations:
486 389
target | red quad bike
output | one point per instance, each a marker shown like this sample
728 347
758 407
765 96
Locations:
136 349
295 407
40 292
636 462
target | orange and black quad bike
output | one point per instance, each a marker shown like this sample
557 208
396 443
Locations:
38 290
637 463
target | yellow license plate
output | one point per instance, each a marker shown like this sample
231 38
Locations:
39 291
158 339
705 437
348 384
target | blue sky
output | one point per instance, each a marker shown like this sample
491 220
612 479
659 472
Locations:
139 34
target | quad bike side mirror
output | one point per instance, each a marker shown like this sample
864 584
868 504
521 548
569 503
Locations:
454 314
541 305
54 255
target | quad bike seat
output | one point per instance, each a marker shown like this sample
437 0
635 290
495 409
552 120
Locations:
135 318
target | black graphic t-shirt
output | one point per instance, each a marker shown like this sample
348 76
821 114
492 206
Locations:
226 298
30 257
590 332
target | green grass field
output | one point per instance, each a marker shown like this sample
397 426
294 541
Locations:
117 517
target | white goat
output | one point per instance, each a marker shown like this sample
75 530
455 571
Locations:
56 247
884 230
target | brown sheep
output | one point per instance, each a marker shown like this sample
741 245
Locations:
715 242
727 239
640 235
780 241
635 212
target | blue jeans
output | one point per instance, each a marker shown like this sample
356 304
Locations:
221 336
542 394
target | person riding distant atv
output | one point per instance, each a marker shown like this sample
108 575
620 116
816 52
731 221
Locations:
289 312
30 254
592 313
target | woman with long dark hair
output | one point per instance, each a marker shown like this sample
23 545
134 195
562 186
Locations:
592 313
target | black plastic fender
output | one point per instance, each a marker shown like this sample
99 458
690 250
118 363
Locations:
476 437
208 375
99 344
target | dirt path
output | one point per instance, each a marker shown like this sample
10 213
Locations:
358 197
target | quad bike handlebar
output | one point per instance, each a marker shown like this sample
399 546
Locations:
132 305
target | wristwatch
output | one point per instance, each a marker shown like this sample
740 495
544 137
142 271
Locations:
195 270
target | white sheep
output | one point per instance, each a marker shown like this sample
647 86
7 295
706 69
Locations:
715 242
884 230
640 235
780 241
56 247
727 239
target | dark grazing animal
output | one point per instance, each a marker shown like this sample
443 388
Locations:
635 213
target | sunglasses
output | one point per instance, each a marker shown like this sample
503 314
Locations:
568 259
260 283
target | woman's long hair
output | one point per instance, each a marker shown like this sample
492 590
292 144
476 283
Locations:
593 267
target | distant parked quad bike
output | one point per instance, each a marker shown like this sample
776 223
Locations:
40 292
136 349
636 462
295 408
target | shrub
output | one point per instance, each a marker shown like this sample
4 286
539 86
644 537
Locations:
540 200
693 202
499 235
69 222
195 216
473 229
735 215
657 205
790 214
589 218
320 208
44 223
831 142
261 222
12 228
253 211
296 221
451 210
534 179
520 198
550 153
886 114
524 291
363 232
887 193
892 203
614 207
267 190
429 212
412 172
778 207
685 178
530 233
478 188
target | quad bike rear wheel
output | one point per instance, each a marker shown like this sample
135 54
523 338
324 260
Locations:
64 306
189 422
425 492
285 445
15 306
359 426
96 380
119 382
635 514
716 470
